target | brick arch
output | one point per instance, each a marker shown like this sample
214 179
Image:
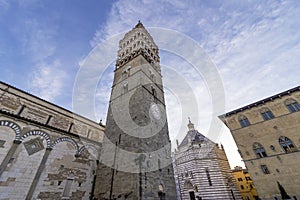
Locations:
67 139
89 146
40 133
13 126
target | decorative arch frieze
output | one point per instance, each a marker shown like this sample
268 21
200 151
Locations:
40 133
67 139
13 126
89 146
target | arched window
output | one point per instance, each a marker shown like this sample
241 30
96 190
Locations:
266 114
292 105
259 150
287 144
244 121
265 169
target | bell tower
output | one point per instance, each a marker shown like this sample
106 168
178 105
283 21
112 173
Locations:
135 161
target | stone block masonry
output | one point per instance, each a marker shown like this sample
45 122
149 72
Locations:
46 152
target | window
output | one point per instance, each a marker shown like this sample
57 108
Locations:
34 145
244 121
265 169
266 114
153 90
242 187
259 150
248 178
292 105
240 179
287 144
208 177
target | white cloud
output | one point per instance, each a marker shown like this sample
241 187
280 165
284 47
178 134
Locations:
47 81
255 46
38 40
39 46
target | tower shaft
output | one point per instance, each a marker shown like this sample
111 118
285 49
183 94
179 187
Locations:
135 161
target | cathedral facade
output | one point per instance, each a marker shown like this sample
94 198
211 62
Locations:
202 169
46 152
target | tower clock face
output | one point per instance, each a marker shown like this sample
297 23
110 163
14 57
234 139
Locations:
155 111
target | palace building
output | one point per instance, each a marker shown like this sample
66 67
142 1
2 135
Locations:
267 135
245 183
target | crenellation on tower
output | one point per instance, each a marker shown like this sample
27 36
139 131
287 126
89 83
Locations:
136 42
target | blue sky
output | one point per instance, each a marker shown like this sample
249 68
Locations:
254 46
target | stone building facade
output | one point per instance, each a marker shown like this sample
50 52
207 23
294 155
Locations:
245 183
267 135
46 152
136 153
202 168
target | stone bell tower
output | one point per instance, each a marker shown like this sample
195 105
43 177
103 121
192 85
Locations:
135 161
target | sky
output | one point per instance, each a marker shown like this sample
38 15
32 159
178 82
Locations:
216 56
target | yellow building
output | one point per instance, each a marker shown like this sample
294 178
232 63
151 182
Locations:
267 134
245 183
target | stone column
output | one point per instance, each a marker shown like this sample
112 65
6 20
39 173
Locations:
9 155
94 180
38 174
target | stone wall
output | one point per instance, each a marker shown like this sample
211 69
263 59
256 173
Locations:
282 166
46 152
205 171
